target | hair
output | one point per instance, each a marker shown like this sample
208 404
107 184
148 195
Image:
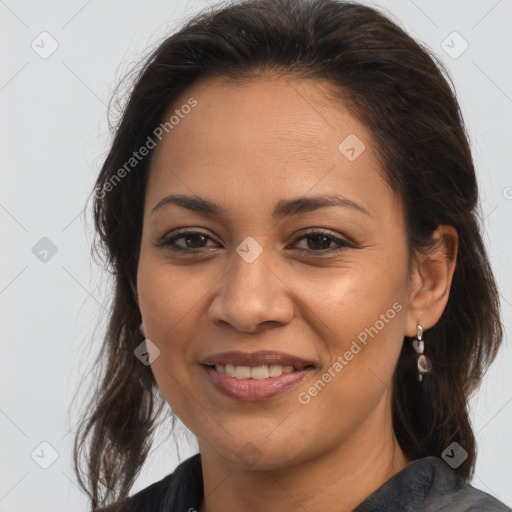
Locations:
401 91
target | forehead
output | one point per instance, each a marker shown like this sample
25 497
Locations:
273 135
291 118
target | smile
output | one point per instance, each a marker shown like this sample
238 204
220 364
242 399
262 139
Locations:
254 372
255 376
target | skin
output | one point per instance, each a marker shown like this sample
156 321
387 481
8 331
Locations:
246 146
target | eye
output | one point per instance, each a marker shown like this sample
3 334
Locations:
321 241
193 241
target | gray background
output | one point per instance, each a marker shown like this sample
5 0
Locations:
54 135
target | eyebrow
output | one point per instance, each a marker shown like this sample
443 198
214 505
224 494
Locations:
283 208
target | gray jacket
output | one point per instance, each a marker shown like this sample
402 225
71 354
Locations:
426 484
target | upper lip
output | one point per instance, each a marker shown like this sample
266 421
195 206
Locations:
260 358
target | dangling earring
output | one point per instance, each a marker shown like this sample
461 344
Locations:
424 364
141 329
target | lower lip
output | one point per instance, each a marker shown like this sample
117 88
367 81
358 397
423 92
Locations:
252 390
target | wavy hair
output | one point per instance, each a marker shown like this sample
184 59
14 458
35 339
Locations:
401 91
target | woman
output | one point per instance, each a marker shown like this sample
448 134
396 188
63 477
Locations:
289 211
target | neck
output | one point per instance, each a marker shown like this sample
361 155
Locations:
337 479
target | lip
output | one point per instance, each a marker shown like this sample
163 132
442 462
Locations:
260 358
253 390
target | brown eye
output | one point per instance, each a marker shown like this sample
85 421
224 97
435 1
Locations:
319 241
192 241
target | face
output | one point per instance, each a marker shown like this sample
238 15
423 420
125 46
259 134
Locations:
307 299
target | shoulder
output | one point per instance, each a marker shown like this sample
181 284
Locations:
183 485
430 485
470 499
450 492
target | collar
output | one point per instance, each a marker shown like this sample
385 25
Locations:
427 484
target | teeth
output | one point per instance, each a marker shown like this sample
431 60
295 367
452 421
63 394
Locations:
242 372
274 370
259 372
253 372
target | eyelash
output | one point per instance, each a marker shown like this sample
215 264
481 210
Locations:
170 243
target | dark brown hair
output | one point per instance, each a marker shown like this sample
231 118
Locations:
403 94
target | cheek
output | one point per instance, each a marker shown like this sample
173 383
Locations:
165 298
362 315
166 307
165 303
360 303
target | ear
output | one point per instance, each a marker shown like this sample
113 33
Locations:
430 281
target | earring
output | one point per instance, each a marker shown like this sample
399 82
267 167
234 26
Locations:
141 329
424 364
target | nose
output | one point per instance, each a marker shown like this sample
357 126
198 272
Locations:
252 294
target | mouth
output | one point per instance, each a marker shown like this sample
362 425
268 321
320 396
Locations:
242 372
255 376
256 365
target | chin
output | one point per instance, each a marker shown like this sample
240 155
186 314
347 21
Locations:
257 451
